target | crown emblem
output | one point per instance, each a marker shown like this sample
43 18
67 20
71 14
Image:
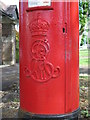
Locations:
39 26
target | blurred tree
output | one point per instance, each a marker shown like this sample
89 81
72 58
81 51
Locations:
83 13
83 18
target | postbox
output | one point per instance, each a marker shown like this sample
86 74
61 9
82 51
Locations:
49 59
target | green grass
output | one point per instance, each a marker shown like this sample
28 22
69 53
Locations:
83 53
85 61
83 58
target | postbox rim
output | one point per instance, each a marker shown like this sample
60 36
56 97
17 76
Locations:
73 114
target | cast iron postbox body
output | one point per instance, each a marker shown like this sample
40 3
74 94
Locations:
49 58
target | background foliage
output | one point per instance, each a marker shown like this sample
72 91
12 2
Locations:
17 46
83 20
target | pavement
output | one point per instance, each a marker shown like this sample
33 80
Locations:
10 75
9 91
84 70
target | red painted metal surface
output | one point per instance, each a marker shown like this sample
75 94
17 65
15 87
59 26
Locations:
49 58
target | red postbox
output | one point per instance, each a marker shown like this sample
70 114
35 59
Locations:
49 59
